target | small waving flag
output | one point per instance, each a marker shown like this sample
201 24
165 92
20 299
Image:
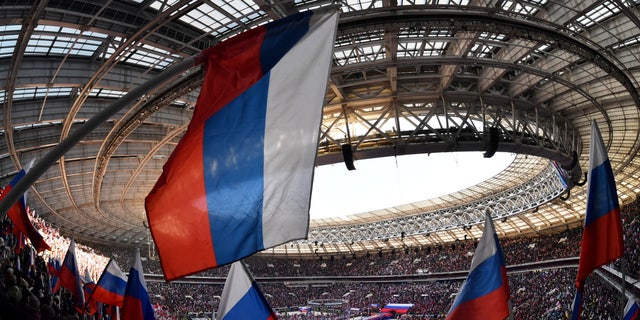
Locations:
485 293
88 285
631 310
18 214
239 181
111 285
399 308
69 276
136 305
53 268
241 297
602 235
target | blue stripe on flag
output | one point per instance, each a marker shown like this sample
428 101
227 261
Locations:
113 283
281 36
602 192
234 178
17 178
137 291
252 304
482 280
631 311
576 307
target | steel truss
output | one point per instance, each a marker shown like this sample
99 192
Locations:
447 126
544 187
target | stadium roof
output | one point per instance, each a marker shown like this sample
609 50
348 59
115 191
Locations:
525 77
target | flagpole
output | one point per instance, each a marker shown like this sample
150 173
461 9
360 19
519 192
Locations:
213 311
622 269
60 296
75 136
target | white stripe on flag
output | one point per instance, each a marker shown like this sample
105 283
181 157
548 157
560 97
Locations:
294 111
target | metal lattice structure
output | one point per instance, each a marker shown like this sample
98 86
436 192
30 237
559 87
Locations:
518 76
546 186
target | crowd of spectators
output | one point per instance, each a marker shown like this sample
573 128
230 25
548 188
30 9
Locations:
87 257
535 294
433 259
24 284
25 287
631 230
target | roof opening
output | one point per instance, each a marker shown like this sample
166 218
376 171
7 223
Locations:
390 181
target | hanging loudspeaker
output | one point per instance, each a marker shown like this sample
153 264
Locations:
347 155
492 146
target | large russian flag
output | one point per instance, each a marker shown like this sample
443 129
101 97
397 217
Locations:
239 181
602 236
241 297
18 215
136 304
69 276
485 293
111 285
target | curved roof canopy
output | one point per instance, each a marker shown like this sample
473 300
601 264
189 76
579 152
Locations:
408 77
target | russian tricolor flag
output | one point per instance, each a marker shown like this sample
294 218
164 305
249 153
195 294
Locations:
602 235
18 214
136 304
485 293
53 267
111 285
239 181
631 310
69 276
88 285
401 308
241 297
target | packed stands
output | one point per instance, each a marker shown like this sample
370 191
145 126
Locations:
542 271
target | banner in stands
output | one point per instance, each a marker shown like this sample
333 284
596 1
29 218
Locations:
397 307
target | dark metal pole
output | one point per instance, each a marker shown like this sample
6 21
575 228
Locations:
623 293
74 137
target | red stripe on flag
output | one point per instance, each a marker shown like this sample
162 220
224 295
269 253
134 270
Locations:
176 206
490 306
177 212
18 215
232 67
601 243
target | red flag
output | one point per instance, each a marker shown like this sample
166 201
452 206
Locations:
18 215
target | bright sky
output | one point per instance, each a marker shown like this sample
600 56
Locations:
385 182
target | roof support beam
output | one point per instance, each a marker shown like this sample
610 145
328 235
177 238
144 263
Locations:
458 48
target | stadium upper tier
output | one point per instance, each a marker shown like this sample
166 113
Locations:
525 77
